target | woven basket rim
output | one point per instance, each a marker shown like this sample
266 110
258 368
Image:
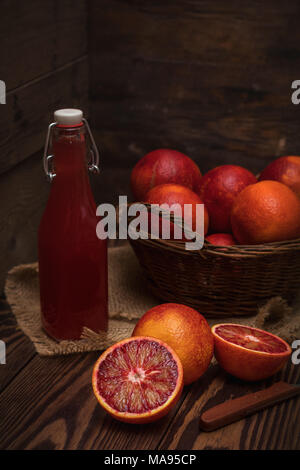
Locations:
226 251
243 251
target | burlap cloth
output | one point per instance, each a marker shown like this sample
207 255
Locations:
128 300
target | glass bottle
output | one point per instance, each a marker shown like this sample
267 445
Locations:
72 259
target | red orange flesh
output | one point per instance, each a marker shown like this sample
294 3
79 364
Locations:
138 380
249 353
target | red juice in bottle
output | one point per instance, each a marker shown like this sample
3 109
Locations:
72 259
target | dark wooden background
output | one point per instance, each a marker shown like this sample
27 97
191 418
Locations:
212 79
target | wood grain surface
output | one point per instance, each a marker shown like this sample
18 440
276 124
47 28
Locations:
211 79
19 349
24 191
29 110
48 403
39 37
44 66
273 428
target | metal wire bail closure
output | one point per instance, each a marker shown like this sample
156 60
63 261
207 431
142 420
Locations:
93 164
47 158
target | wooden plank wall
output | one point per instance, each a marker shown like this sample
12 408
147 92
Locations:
44 63
212 79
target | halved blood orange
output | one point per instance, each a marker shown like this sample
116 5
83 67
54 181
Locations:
138 380
249 353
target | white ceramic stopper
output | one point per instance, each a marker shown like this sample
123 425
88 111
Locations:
68 117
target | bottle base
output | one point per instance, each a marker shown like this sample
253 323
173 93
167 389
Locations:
59 338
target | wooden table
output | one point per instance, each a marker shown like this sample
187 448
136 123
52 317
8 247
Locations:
48 403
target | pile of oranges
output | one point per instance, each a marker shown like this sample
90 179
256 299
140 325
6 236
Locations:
239 208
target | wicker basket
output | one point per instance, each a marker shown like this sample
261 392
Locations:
220 281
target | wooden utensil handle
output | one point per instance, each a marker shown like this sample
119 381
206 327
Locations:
239 408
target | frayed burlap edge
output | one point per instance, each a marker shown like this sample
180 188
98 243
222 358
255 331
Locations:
128 300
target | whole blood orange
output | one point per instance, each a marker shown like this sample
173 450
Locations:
185 330
222 239
249 353
176 194
286 170
218 189
163 166
264 212
138 380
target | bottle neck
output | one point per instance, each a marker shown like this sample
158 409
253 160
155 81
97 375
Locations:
70 164
69 150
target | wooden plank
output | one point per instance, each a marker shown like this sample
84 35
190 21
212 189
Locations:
50 405
207 90
23 192
274 428
111 182
29 109
190 31
215 123
38 38
19 349
251 137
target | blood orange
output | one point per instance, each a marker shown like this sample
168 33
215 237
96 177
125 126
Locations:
163 166
221 239
138 380
176 194
265 212
186 331
218 189
286 170
249 353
